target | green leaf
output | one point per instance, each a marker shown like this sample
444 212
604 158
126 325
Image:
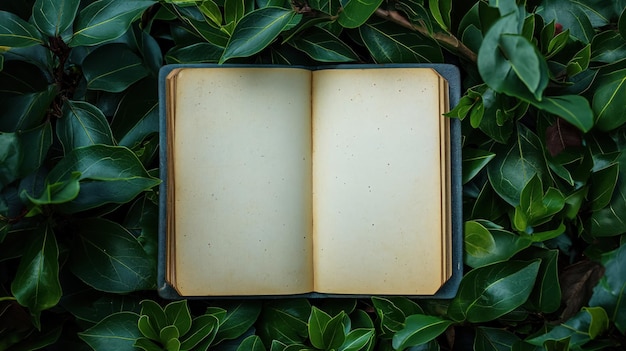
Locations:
526 62
26 111
495 65
109 258
478 241
609 104
177 314
146 328
57 193
53 17
239 317
285 321
195 53
489 292
603 183
251 343
147 345
38 141
317 325
109 174
137 115
116 332
335 332
610 292
167 334
608 47
441 12
17 33
572 108
515 164
502 244
156 315
391 317
255 31
389 43
36 284
210 9
546 295
82 124
234 10
202 328
10 158
113 68
357 339
571 17
323 46
419 329
474 160
580 61
105 20
580 329
493 339
356 12
622 24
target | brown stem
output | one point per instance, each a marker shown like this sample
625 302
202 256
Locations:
446 39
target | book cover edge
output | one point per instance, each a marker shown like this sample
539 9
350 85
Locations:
450 72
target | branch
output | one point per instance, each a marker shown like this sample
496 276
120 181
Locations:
445 39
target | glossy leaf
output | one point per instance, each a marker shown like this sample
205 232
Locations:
53 17
441 12
388 43
82 124
195 53
501 244
238 319
17 33
109 258
285 320
526 62
609 104
117 332
391 317
357 339
109 174
580 329
36 284
203 328
255 31
156 315
608 47
489 292
326 332
113 68
419 329
474 160
610 293
356 12
177 314
105 20
146 328
323 46
36 142
515 164
572 108
570 17
251 343
603 183
494 339
546 296
234 10
137 115
622 24
26 111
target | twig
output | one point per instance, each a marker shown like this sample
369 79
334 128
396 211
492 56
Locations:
446 39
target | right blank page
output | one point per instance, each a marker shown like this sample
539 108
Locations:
377 181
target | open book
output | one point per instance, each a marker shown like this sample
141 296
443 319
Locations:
285 180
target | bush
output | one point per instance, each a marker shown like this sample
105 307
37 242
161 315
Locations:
543 115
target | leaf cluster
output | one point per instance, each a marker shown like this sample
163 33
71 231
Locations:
543 114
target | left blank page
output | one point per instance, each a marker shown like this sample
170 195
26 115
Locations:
241 159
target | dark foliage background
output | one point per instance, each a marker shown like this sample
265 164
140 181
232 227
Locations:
543 113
